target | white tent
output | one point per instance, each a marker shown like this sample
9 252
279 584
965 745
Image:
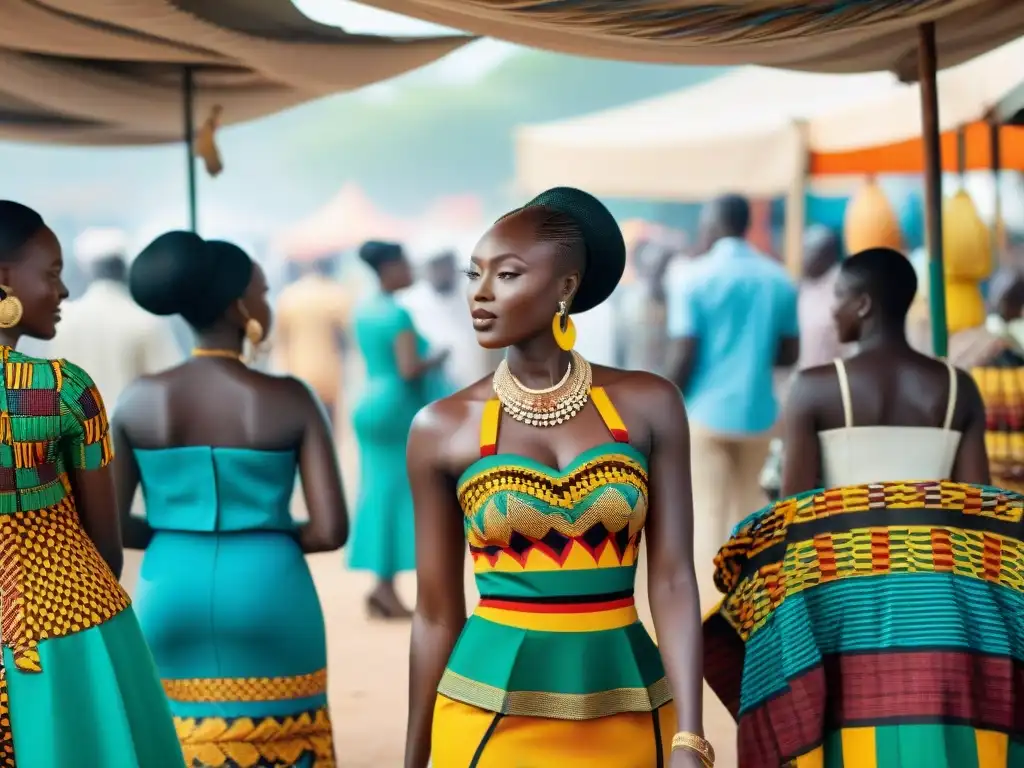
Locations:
986 86
750 131
740 132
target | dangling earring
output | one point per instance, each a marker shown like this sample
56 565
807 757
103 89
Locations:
563 327
254 331
11 308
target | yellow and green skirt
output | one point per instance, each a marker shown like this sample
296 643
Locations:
465 736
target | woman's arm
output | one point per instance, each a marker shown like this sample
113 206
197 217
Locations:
410 365
801 458
88 451
327 529
672 583
440 593
971 465
134 530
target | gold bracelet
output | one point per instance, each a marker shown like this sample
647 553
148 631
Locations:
691 742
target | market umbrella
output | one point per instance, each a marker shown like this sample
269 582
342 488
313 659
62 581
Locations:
135 72
823 35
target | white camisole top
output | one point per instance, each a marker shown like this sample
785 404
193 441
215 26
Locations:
853 455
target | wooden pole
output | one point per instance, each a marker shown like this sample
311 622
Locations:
188 96
998 230
926 62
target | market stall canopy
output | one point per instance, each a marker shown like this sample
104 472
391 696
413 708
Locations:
109 72
740 132
881 133
823 35
752 130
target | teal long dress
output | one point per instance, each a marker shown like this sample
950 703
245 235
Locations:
382 538
228 606
77 685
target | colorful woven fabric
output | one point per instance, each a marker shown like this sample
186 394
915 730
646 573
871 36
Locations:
556 633
1002 389
876 626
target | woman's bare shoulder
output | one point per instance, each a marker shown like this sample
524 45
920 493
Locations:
446 432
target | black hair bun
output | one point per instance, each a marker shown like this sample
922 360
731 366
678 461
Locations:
165 277
606 249
179 273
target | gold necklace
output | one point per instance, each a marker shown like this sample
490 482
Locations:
546 390
545 407
227 353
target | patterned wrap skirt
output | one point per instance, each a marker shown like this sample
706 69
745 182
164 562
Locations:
875 626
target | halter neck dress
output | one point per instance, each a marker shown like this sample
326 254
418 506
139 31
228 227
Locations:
554 668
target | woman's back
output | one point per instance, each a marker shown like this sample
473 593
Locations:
377 322
225 593
897 422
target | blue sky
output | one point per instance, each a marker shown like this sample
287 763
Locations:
464 65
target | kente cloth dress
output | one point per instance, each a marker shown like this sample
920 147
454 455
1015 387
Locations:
554 669
876 623
227 603
77 684
382 537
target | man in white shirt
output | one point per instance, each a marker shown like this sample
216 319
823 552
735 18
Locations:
437 303
104 331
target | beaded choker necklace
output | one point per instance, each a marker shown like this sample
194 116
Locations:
545 407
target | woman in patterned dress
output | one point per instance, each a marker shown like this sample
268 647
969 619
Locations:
77 684
872 616
554 668
225 596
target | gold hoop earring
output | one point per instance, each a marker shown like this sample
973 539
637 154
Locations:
254 331
11 308
563 327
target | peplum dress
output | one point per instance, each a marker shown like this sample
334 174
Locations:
554 668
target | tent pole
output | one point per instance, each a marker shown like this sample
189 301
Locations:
190 144
998 242
926 62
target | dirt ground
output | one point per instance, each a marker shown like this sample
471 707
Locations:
368 660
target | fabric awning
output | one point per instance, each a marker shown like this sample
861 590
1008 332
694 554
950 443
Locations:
968 94
824 35
740 132
110 72
755 130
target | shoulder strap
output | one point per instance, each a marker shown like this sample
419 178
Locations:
844 391
489 427
609 415
951 404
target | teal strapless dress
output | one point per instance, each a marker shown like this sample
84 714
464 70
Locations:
228 606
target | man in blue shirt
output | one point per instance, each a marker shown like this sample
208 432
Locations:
731 321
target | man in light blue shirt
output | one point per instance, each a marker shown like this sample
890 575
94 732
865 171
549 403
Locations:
731 321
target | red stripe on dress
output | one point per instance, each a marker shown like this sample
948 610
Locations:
524 607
